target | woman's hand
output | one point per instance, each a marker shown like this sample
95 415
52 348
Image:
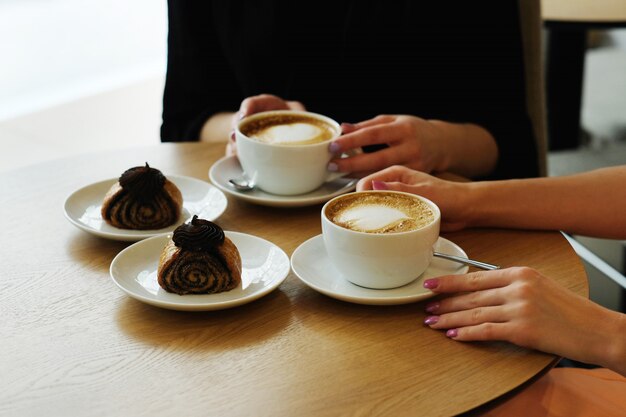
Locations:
257 104
451 197
521 306
426 145
411 142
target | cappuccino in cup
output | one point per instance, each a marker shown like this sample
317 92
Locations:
380 212
289 129
380 239
285 152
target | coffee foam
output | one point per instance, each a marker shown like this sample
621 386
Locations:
369 218
290 134
288 129
380 212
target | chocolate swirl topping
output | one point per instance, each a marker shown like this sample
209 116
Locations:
198 235
142 181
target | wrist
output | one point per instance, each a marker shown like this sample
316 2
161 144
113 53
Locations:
217 128
473 197
441 146
463 148
614 356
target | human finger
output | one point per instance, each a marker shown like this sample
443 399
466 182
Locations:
378 120
261 102
471 317
482 332
467 301
373 135
474 281
295 105
353 127
347 128
394 173
368 162
394 186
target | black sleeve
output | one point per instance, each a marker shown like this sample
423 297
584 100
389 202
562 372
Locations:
199 81
494 95
459 63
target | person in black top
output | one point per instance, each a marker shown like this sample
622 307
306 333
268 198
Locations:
448 76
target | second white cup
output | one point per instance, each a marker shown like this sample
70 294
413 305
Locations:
380 239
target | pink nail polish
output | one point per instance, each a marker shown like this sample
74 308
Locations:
333 167
232 135
379 185
431 320
431 283
432 307
452 333
334 147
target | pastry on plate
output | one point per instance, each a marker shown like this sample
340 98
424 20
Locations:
199 259
142 199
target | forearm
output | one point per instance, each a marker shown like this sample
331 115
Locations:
217 128
467 149
591 204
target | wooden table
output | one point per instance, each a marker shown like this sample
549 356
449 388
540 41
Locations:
74 344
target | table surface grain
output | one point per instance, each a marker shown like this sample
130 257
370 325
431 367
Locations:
74 344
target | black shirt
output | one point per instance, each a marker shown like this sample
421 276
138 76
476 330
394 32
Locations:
352 60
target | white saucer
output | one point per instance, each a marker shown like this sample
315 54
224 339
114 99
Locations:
82 208
310 263
265 266
228 167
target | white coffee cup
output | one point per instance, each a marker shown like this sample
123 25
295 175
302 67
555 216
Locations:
287 166
379 260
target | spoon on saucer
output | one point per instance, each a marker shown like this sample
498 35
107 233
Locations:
241 184
477 264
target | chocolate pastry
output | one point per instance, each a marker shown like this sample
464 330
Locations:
142 199
199 259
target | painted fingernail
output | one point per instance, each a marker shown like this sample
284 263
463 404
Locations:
240 115
431 320
333 167
432 307
431 283
232 135
379 185
334 147
452 333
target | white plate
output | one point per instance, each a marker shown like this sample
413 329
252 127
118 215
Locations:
264 264
310 263
228 167
82 208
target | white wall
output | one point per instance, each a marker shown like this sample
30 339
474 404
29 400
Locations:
56 51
